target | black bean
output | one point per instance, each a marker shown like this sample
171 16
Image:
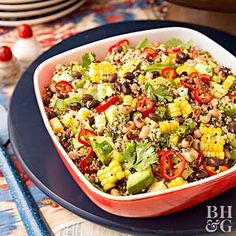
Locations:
62 95
51 114
180 120
119 49
112 78
118 87
184 73
126 88
91 120
76 75
93 103
75 106
49 93
154 117
225 71
181 57
156 74
131 135
67 134
46 101
129 75
214 162
232 127
201 174
87 97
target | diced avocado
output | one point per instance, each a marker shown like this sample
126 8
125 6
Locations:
233 155
143 43
139 180
103 147
111 114
71 99
203 69
60 104
157 186
230 111
232 142
56 125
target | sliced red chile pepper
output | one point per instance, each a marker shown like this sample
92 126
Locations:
173 50
212 170
63 86
107 104
202 95
169 72
145 105
85 163
231 96
168 171
83 136
119 43
150 52
205 78
190 82
195 52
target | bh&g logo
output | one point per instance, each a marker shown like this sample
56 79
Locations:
219 218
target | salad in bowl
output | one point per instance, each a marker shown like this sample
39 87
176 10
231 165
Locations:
147 117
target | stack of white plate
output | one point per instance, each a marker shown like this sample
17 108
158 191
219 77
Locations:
16 12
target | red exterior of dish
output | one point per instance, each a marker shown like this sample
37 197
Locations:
162 204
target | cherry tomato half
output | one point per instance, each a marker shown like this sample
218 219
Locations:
145 105
169 72
83 136
63 86
150 52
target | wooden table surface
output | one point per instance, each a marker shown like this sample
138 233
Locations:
222 21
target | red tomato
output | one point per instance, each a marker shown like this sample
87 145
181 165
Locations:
24 31
169 72
5 54
168 171
63 86
107 104
150 52
83 136
85 164
145 105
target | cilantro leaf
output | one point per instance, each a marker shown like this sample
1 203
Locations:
129 155
87 59
161 92
149 91
146 156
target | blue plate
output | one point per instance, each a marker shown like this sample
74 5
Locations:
40 160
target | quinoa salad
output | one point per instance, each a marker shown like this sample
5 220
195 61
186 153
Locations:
145 118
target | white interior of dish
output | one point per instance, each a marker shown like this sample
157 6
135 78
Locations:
45 70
